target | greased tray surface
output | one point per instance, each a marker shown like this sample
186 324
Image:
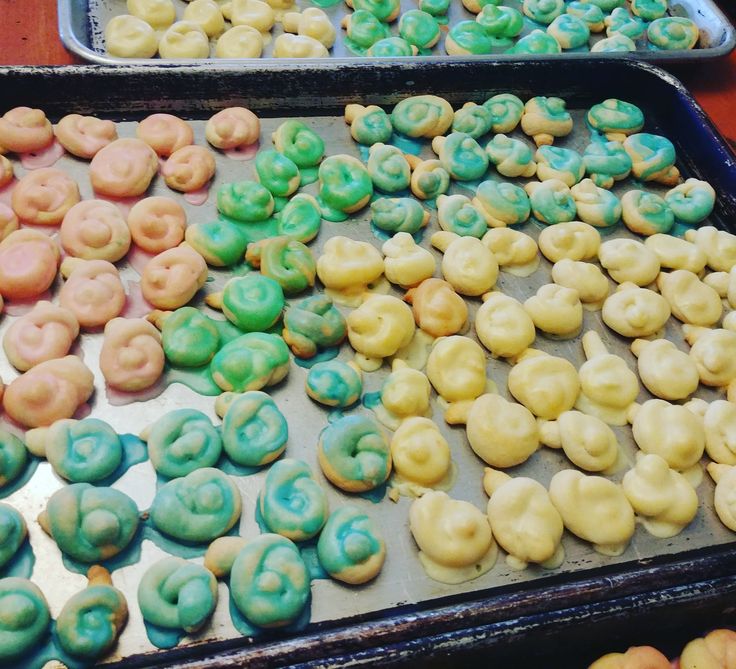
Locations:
402 595
82 25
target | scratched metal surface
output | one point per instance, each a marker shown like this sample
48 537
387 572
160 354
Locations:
402 581
82 24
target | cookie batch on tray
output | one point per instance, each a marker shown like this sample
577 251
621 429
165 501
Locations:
379 28
424 301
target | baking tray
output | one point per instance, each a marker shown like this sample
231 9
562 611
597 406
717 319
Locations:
403 614
82 24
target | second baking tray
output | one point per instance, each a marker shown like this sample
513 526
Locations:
402 613
82 24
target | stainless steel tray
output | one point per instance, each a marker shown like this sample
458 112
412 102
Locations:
349 625
82 24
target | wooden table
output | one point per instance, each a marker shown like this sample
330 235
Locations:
29 35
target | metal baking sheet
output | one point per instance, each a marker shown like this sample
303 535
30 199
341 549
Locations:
402 603
82 24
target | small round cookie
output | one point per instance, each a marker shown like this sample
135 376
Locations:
254 431
661 496
606 163
189 338
583 277
617 43
713 353
454 537
525 522
250 362
419 452
127 36
181 441
719 423
635 312
671 431
467 264
29 260
253 303
665 370
456 214
123 168
429 180
691 202
13 533
313 324
354 454
351 548
506 110
545 384
545 118
157 224
714 648
291 502
184 39
245 201
300 143
554 162
691 300
608 523
334 383
512 157
287 261
380 326
570 31
345 186
502 24
131 358
461 156
90 523
287 45
25 130
93 291
159 14
629 261
501 433
84 136
255 13
574 240
596 206
422 116
652 158
407 264
503 326
673 32
207 15
269 581
189 168
279 174
551 201
239 42
44 333
176 594
543 11
646 213
28 618
165 133
586 440
516 252
456 368
91 621
398 214
468 38
473 119
14 456
616 119
368 125
502 203
172 278
44 196
388 168
311 22
95 230
198 507
437 308
232 127
51 390
556 310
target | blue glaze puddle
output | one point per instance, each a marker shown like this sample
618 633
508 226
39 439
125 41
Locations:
372 400
226 330
241 270
21 564
260 520
198 379
325 354
135 451
179 548
46 650
375 495
308 174
162 637
248 629
226 465
279 203
334 415
354 47
595 136
364 151
21 480
130 555
258 230
385 235
308 551
680 228
330 214
406 144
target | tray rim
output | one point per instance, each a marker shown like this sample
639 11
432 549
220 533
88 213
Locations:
685 570
75 45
